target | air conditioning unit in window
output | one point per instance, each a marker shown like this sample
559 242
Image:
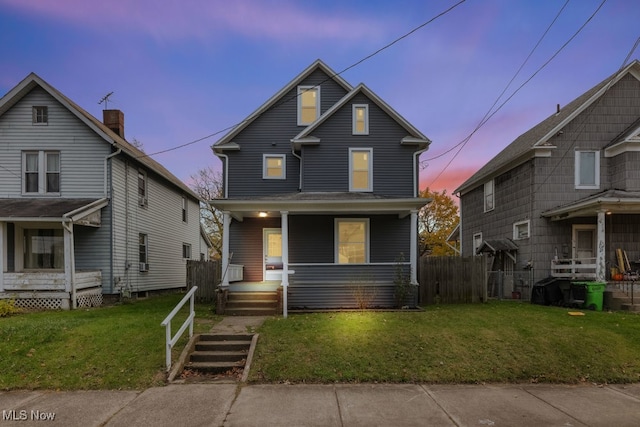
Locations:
144 266
142 201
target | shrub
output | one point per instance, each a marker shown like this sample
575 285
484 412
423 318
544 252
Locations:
8 308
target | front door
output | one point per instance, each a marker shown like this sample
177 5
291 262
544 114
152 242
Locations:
272 250
584 241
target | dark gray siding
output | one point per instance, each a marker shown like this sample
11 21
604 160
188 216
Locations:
624 170
245 242
271 133
326 166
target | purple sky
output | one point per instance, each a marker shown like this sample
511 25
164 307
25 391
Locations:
182 70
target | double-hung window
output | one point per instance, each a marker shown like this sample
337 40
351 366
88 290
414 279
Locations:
352 240
274 166
41 172
360 119
143 251
360 169
186 251
587 169
40 115
308 104
142 189
489 197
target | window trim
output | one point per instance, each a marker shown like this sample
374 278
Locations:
42 171
596 171
370 170
143 242
490 183
40 119
185 211
186 251
476 237
301 90
367 239
526 222
354 111
265 174
143 200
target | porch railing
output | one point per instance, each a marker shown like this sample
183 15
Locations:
171 341
574 268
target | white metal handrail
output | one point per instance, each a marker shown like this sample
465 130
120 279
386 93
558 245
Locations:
171 341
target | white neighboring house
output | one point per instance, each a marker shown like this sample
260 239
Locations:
83 213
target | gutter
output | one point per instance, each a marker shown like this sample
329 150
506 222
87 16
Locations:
226 172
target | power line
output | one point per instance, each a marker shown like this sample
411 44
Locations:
466 140
402 37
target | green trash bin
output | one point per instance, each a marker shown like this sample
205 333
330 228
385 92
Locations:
593 294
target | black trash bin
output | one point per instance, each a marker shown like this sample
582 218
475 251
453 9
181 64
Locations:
548 291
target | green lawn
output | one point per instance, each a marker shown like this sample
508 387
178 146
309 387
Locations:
112 347
494 342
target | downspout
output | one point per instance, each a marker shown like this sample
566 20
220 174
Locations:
416 181
293 151
107 192
226 173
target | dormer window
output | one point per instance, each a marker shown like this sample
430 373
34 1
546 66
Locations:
308 104
360 119
40 115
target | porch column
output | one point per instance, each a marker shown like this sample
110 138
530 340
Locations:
413 249
600 248
226 220
3 247
284 230
69 263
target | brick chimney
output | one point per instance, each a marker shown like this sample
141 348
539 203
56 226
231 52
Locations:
114 120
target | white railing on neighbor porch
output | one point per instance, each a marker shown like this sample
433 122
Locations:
574 268
171 341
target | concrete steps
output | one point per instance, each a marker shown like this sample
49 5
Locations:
219 353
251 304
619 301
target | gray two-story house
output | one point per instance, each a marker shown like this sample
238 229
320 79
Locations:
83 213
320 194
565 195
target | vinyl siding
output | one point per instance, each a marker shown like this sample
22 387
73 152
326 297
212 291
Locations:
624 171
271 133
82 152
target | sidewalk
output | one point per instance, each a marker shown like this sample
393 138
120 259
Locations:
328 405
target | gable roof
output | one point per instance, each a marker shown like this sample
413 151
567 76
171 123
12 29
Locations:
226 141
523 147
33 80
414 135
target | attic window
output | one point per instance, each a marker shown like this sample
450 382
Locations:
308 104
40 115
360 119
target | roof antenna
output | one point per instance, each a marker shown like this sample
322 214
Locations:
105 99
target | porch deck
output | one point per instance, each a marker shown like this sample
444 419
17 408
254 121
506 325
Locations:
265 286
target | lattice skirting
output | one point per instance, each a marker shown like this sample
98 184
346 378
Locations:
42 303
61 301
89 300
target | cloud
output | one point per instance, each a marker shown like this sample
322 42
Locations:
200 19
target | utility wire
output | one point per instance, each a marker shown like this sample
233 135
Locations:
466 140
387 46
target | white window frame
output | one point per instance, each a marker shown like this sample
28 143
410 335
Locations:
365 108
143 251
477 242
578 167
143 199
186 251
370 170
40 115
516 225
489 195
185 212
367 237
301 90
42 171
265 158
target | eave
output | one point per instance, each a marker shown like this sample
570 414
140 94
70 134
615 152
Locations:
591 207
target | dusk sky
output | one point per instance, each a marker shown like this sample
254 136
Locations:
185 70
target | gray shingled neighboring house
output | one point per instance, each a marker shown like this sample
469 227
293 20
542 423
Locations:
82 212
564 195
321 194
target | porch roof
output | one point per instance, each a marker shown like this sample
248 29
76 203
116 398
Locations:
310 203
609 201
48 210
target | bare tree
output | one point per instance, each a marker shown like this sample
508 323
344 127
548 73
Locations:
208 184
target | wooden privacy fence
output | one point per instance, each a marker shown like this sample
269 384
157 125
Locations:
452 279
206 276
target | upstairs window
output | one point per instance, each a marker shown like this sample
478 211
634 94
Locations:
352 241
477 241
360 169
489 201
273 166
587 169
40 115
41 172
521 230
360 119
142 188
184 209
308 104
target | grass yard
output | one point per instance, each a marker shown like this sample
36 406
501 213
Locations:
494 342
112 347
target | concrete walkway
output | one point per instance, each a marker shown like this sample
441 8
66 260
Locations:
328 405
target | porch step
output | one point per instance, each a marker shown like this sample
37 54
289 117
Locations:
219 353
635 308
619 301
252 304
